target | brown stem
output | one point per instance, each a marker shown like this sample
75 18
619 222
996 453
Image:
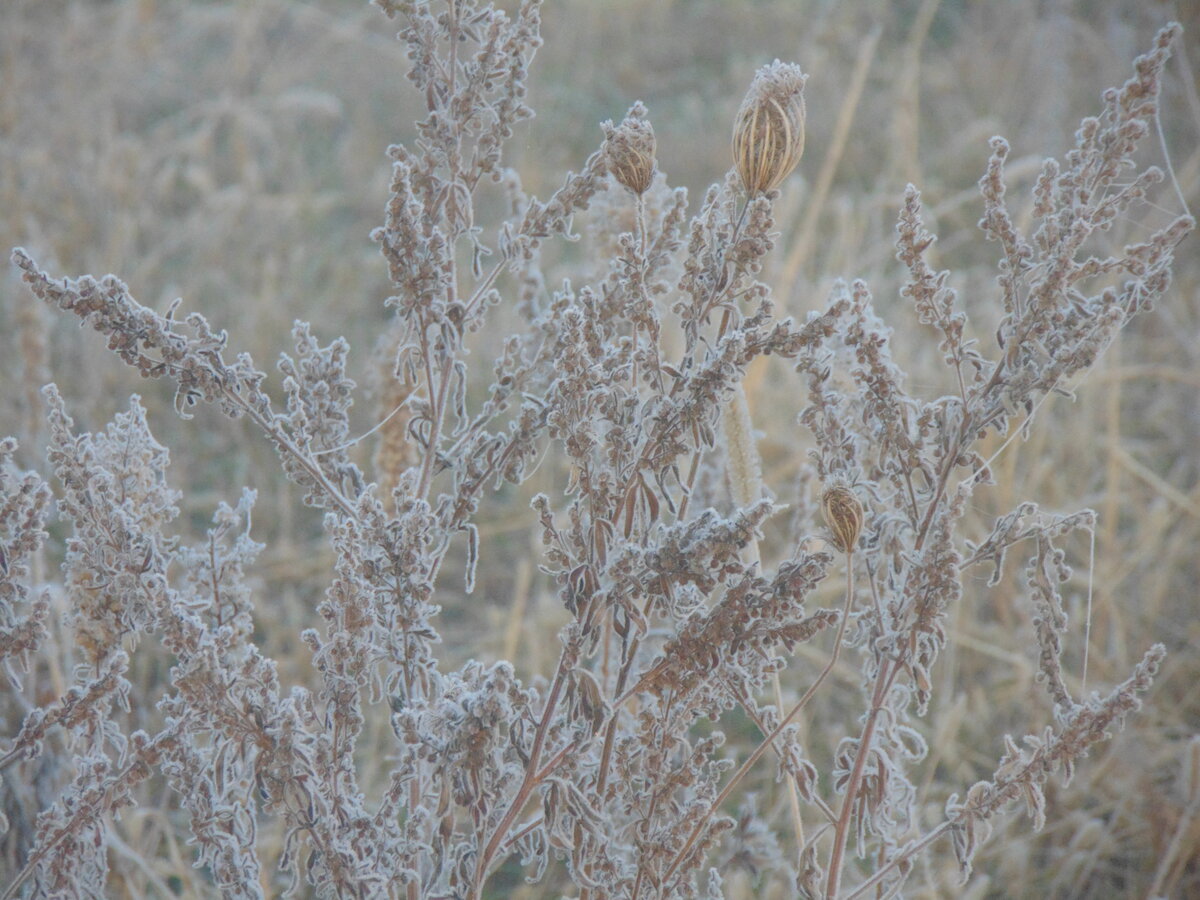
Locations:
648 818
644 266
610 734
770 738
437 401
883 683
532 778
816 800
522 831
276 433
909 851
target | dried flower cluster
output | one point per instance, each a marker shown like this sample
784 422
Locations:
844 515
630 148
613 777
768 134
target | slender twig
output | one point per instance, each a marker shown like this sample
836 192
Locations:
883 684
909 852
758 751
532 778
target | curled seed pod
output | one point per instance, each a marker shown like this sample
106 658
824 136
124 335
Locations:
844 515
630 148
768 134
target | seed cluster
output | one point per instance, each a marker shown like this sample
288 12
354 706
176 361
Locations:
629 150
844 515
768 134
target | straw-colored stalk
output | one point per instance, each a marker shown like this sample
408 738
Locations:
395 451
746 486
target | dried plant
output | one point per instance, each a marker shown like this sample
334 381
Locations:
768 135
844 515
630 149
613 777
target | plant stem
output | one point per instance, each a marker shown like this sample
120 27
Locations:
883 684
531 780
908 852
770 738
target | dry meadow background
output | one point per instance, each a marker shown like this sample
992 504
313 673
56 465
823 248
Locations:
232 154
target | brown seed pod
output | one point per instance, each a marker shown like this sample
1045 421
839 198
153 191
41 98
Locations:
630 148
844 515
768 134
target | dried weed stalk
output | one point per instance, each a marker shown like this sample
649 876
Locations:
611 775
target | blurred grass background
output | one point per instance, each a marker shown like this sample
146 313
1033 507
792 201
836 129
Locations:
232 153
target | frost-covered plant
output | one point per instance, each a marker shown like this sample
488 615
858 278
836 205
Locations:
612 774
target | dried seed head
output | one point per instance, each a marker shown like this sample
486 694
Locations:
629 150
844 515
768 134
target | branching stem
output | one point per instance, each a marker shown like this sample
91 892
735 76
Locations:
758 751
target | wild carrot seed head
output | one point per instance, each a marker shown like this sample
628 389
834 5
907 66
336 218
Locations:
630 148
843 514
768 133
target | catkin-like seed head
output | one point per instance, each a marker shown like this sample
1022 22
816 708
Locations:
630 148
843 514
768 134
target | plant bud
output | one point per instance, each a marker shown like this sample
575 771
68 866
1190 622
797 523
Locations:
768 134
844 515
629 150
